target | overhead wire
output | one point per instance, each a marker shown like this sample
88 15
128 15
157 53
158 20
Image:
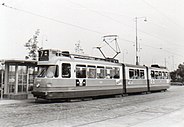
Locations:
131 27
55 20
95 11
69 24
99 13
163 14
168 18
58 21
84 28
165 50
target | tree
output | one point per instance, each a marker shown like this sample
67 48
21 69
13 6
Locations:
178 75
32 46
78 48
173 76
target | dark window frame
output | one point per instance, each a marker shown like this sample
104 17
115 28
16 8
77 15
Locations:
67 67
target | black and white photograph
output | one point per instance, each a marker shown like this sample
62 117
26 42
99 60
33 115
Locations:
91 63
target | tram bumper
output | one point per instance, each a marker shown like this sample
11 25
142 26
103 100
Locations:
39 94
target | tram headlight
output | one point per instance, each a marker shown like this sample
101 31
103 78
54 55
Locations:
49 84
37 85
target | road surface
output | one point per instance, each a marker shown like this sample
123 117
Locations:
159 109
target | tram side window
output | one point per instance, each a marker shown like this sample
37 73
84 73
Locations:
166 75
91 72
163 74
112 73
116 70
135 73
131 73
108 73
160 75
81 71
66 70
100 72
142 74
156 74
152 74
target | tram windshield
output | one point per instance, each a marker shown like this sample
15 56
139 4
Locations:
48 71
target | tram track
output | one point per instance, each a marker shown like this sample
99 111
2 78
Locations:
88 113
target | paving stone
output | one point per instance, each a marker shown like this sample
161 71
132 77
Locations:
124 111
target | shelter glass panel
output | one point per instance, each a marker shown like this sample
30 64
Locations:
22 78
2 74
32 72
11 78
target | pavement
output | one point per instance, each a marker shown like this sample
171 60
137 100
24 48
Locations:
171 119
162 109
5 101
12 101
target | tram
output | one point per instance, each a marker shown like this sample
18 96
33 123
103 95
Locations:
63 75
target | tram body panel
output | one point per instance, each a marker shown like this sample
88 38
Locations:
100 82
159 79
159 84
70 83
136 79
63 76
76 93
95 89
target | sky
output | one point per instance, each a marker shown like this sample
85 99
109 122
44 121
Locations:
63 23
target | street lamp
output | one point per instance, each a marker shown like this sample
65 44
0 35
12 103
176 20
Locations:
136 44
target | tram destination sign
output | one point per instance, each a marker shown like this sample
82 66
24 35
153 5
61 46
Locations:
43 55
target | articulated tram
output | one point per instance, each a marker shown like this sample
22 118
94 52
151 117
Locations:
63 75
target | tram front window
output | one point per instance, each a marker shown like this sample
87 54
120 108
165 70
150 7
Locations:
48 71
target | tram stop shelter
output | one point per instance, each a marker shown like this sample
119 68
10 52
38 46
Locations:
18 78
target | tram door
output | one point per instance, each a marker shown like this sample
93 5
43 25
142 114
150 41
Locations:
80 75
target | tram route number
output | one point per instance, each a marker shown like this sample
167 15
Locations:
44 55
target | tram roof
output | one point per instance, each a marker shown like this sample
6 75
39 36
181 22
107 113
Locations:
18 61
59 53
155 67
136 66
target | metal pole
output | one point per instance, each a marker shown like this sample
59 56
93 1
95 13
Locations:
2 73
136 44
